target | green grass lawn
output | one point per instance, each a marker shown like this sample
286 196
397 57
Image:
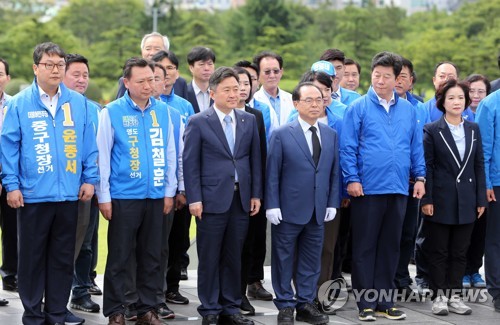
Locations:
103 244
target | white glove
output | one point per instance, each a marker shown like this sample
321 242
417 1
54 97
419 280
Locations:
330 214
274 216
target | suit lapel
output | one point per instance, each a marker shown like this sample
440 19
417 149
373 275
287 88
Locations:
240 129
468 140
300 138
214 122
192 98
447 137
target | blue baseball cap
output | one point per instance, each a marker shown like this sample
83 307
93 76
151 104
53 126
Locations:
324 66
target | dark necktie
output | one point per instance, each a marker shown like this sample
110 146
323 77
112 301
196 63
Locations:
315 144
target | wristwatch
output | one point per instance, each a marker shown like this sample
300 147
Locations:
420 179
181 193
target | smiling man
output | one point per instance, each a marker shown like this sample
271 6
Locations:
46 140
380 149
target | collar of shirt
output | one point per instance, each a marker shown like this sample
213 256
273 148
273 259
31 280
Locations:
308 133
386 104
3 99
453 127
197 89
270 96
339 94
43 94
137 106
221 116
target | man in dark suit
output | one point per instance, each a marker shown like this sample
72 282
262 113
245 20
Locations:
201 62
222 176
302 192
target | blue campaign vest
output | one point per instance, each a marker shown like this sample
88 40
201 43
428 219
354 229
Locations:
139 153
266 114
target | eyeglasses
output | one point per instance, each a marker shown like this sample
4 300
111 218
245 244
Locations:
50 66
310 101
477 91
275 71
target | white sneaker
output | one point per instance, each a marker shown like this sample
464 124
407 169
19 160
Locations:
457 306
440 306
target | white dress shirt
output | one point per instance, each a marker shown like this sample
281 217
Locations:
458 133
386 104
203 98
308 133
50 103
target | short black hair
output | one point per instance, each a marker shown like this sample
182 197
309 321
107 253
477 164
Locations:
333 55
445 62
159 56
247 64
352 62
221 74
136 62
318 76
200 53
159 66
479 77
407 63
240 70
268 54
6 65
76 58
297 89
443 89
47 48
388 59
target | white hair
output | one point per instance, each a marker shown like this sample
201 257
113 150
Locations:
166 42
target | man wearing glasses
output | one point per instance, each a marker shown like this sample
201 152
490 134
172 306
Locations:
271 71
302 192
49 161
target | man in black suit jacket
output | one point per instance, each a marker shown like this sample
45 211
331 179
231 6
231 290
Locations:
222 176
201 62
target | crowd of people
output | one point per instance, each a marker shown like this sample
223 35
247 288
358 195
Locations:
347 182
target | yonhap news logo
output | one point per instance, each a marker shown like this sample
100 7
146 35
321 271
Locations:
332 295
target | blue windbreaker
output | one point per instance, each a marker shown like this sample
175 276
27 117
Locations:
488 118
46 157
381 149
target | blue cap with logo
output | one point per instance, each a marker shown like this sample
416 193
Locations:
324 66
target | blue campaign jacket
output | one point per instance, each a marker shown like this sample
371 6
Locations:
435 114
422 113
183 106
266 114
48 158
348 96
488 118
379 149
139 150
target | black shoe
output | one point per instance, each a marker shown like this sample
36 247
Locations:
246 307
257 291
94 289
234 319
130 312
310 314
325 309
176 298
210 319
71 319
496 304
184 274
10 283
367 315
85 304
4 302
164 312
285 316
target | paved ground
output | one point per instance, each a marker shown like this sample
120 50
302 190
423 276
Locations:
417 312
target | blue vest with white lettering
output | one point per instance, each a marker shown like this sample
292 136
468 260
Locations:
139 153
